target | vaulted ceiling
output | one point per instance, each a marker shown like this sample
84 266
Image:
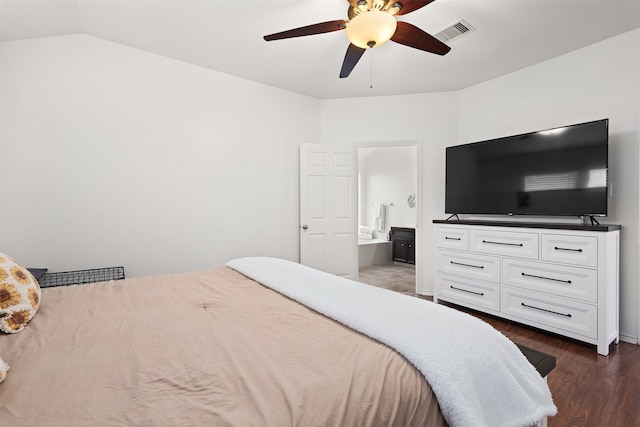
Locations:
227 36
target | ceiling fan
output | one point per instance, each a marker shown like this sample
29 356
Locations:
372 23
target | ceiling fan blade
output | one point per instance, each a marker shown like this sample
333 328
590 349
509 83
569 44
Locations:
322 27
412 36
410 5
351 58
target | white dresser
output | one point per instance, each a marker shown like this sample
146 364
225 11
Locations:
562 278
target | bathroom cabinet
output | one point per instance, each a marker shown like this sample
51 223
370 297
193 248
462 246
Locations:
403 245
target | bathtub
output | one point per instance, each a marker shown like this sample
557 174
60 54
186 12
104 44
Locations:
374 251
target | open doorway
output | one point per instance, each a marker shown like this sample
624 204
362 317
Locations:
389 214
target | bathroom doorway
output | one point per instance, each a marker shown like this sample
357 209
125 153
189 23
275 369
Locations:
388 188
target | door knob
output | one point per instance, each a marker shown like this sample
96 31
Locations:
305 226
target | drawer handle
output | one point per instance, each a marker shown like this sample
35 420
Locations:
502 243
567 249
466 265
452 238
464 290
546 278
544 309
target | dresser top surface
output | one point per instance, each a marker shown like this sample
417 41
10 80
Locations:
518 224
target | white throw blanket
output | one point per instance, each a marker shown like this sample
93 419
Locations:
479 376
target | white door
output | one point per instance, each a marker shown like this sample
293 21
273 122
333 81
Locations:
328 208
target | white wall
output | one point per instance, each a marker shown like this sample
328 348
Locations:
598 81
115 156
388 175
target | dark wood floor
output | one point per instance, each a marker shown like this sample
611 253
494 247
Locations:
589 390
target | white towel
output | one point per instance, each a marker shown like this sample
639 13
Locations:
365 236
365 229
379 216
480 377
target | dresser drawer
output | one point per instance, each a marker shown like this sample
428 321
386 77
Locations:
550 311
565 281
452 238
468 292
481 267
508 243
576 250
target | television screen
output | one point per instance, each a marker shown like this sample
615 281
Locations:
561 171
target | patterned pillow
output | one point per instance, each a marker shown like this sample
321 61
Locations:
3 370
19 295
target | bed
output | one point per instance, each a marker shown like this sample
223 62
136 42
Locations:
260 342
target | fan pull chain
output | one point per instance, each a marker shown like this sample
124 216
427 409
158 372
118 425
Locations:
371 69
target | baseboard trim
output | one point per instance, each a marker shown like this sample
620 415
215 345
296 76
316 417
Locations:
628 339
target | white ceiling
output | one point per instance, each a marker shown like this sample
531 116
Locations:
227 36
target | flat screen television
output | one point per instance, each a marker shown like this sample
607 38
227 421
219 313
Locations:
561 171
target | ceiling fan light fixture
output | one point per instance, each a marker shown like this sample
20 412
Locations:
370 29
372 23
379 4
394 8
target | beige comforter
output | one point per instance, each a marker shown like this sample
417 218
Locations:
210 348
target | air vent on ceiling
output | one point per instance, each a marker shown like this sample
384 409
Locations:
454 31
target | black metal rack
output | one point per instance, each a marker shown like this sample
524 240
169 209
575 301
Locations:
79 277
